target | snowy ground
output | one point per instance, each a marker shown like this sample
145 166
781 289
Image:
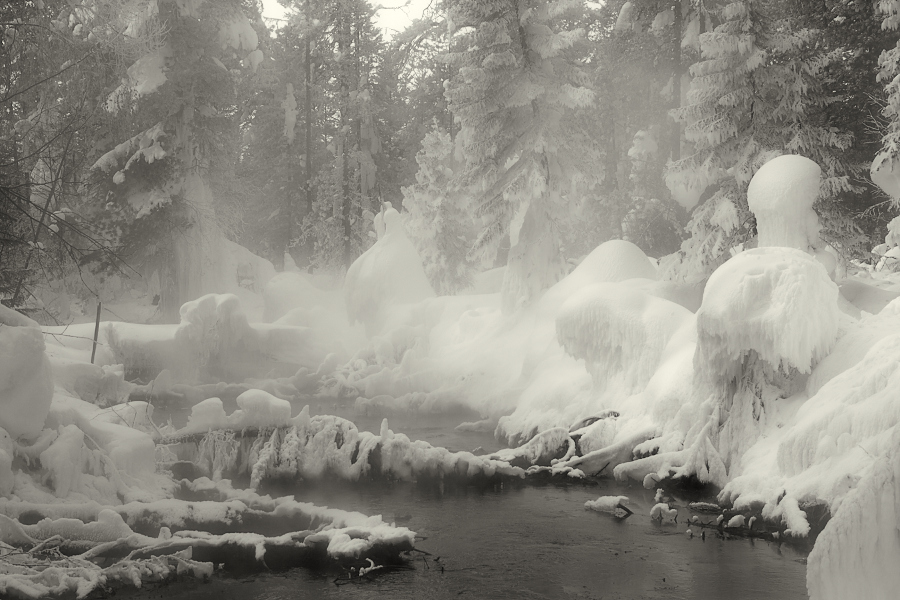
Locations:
774 381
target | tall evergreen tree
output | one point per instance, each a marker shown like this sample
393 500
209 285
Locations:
516 82
757 92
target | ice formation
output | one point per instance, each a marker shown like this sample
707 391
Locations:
781 196
315 447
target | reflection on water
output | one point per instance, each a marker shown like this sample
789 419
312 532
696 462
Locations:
523 541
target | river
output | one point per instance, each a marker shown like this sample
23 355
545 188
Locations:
520 540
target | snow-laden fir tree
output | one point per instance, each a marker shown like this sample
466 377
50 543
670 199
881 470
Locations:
439 220
885 170
515 83
175 103
757 92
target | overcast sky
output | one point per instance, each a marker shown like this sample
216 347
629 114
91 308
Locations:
395 15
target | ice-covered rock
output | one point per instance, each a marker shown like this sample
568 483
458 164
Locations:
26 387
609 504
781 195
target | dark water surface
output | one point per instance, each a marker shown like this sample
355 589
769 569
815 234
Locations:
520 541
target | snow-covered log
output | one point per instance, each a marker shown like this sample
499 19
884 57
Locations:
94 534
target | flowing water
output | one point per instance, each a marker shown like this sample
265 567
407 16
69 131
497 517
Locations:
520 540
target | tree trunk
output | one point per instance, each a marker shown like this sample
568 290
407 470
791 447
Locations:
676 78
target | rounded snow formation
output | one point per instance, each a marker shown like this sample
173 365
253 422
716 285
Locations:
387 274
778 302
26 387
781 195
614 260
620 332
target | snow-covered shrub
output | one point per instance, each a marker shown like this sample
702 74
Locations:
767 314
776 302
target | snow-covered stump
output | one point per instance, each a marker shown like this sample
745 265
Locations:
26 387
768 316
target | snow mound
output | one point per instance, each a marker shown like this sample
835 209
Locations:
615 260
26 387
776 302
781 195
388 273
215 341
620 332
854 344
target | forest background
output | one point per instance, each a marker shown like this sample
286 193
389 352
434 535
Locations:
508 132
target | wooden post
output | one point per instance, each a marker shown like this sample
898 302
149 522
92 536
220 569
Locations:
96 331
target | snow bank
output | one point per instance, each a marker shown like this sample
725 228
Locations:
388 273
781 196
857 553
26 388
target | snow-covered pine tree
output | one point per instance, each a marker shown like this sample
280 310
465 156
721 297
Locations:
885 169
176 103
439 221
516 79
755 93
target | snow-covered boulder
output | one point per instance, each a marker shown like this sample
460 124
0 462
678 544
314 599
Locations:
781 195
777 302
387 274
614 260
26 387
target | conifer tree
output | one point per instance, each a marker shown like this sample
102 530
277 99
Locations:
439 221
756 93
515 84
